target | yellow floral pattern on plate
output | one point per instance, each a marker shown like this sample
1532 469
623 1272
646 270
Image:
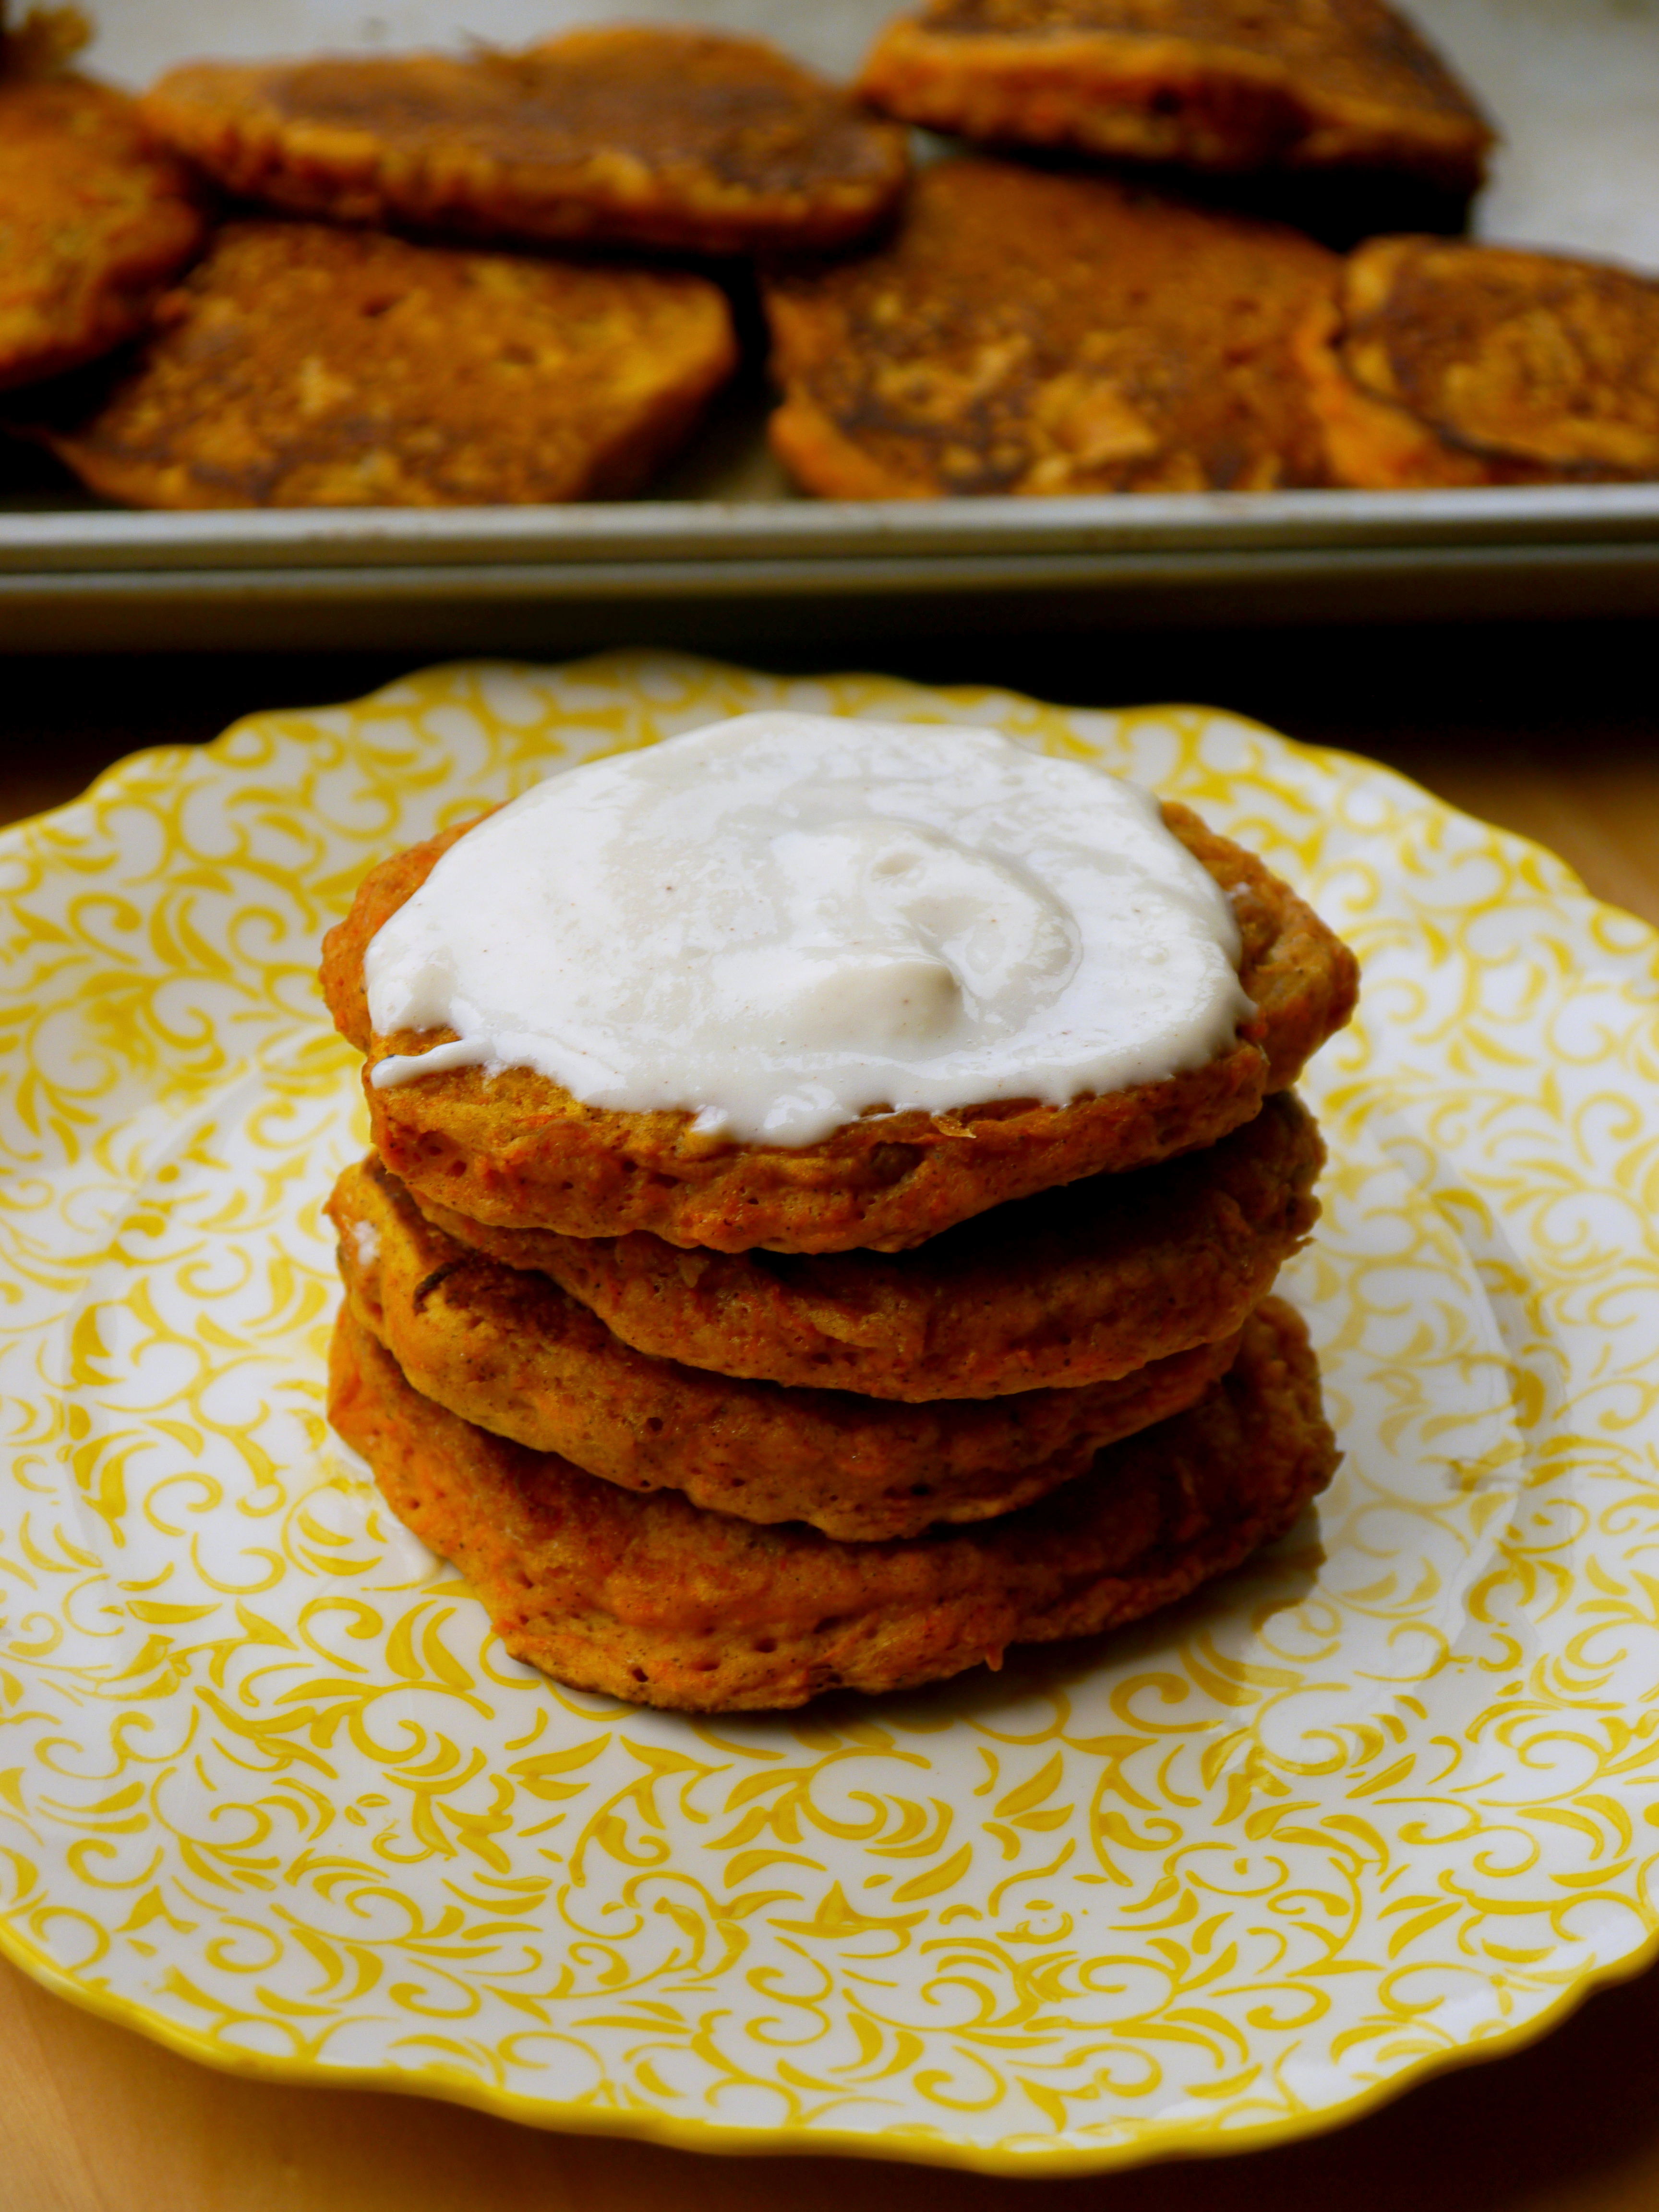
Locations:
270 1790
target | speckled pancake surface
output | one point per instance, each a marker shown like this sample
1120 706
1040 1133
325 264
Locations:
300 365
1443 363
1046 334
1530 357
96 218
1216 84
657 136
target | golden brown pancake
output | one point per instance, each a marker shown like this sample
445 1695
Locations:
42 41
651 1599
517 1151
95 220
661 137
1029 333
303 365
1068 1287
1444 363
1211 84
506 1348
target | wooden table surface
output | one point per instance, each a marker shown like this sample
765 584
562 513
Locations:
1552 731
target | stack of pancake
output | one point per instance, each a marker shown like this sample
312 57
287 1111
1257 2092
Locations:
716 1425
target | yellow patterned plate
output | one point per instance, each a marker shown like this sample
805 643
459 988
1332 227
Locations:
271 1792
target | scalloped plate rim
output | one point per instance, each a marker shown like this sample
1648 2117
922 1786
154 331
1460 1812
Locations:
710 2139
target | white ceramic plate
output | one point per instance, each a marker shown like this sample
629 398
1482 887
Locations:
271 1792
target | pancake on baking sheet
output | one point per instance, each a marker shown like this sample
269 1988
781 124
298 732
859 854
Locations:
300 365
514 1150
42 41
663 137
95 220
647 1598
1443 363
506 1348
1211 84
1071 1286
1038 333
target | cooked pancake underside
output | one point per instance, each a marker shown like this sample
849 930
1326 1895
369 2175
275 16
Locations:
93 222
302 366
1510 367
661 135
1045 334
1211 84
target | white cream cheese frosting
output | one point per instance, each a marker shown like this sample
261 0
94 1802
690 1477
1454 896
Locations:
782 922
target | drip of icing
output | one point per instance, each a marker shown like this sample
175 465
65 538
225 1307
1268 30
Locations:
779 923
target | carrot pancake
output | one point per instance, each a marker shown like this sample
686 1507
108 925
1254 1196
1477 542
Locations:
661 137
506 1348
1211 84
651 1599
303 365
95 220
517 1151
42 42
1029 333
1062 1289
1443 363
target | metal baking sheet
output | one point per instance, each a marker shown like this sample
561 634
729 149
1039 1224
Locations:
725 552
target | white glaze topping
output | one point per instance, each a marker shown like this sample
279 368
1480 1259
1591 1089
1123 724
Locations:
782 922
